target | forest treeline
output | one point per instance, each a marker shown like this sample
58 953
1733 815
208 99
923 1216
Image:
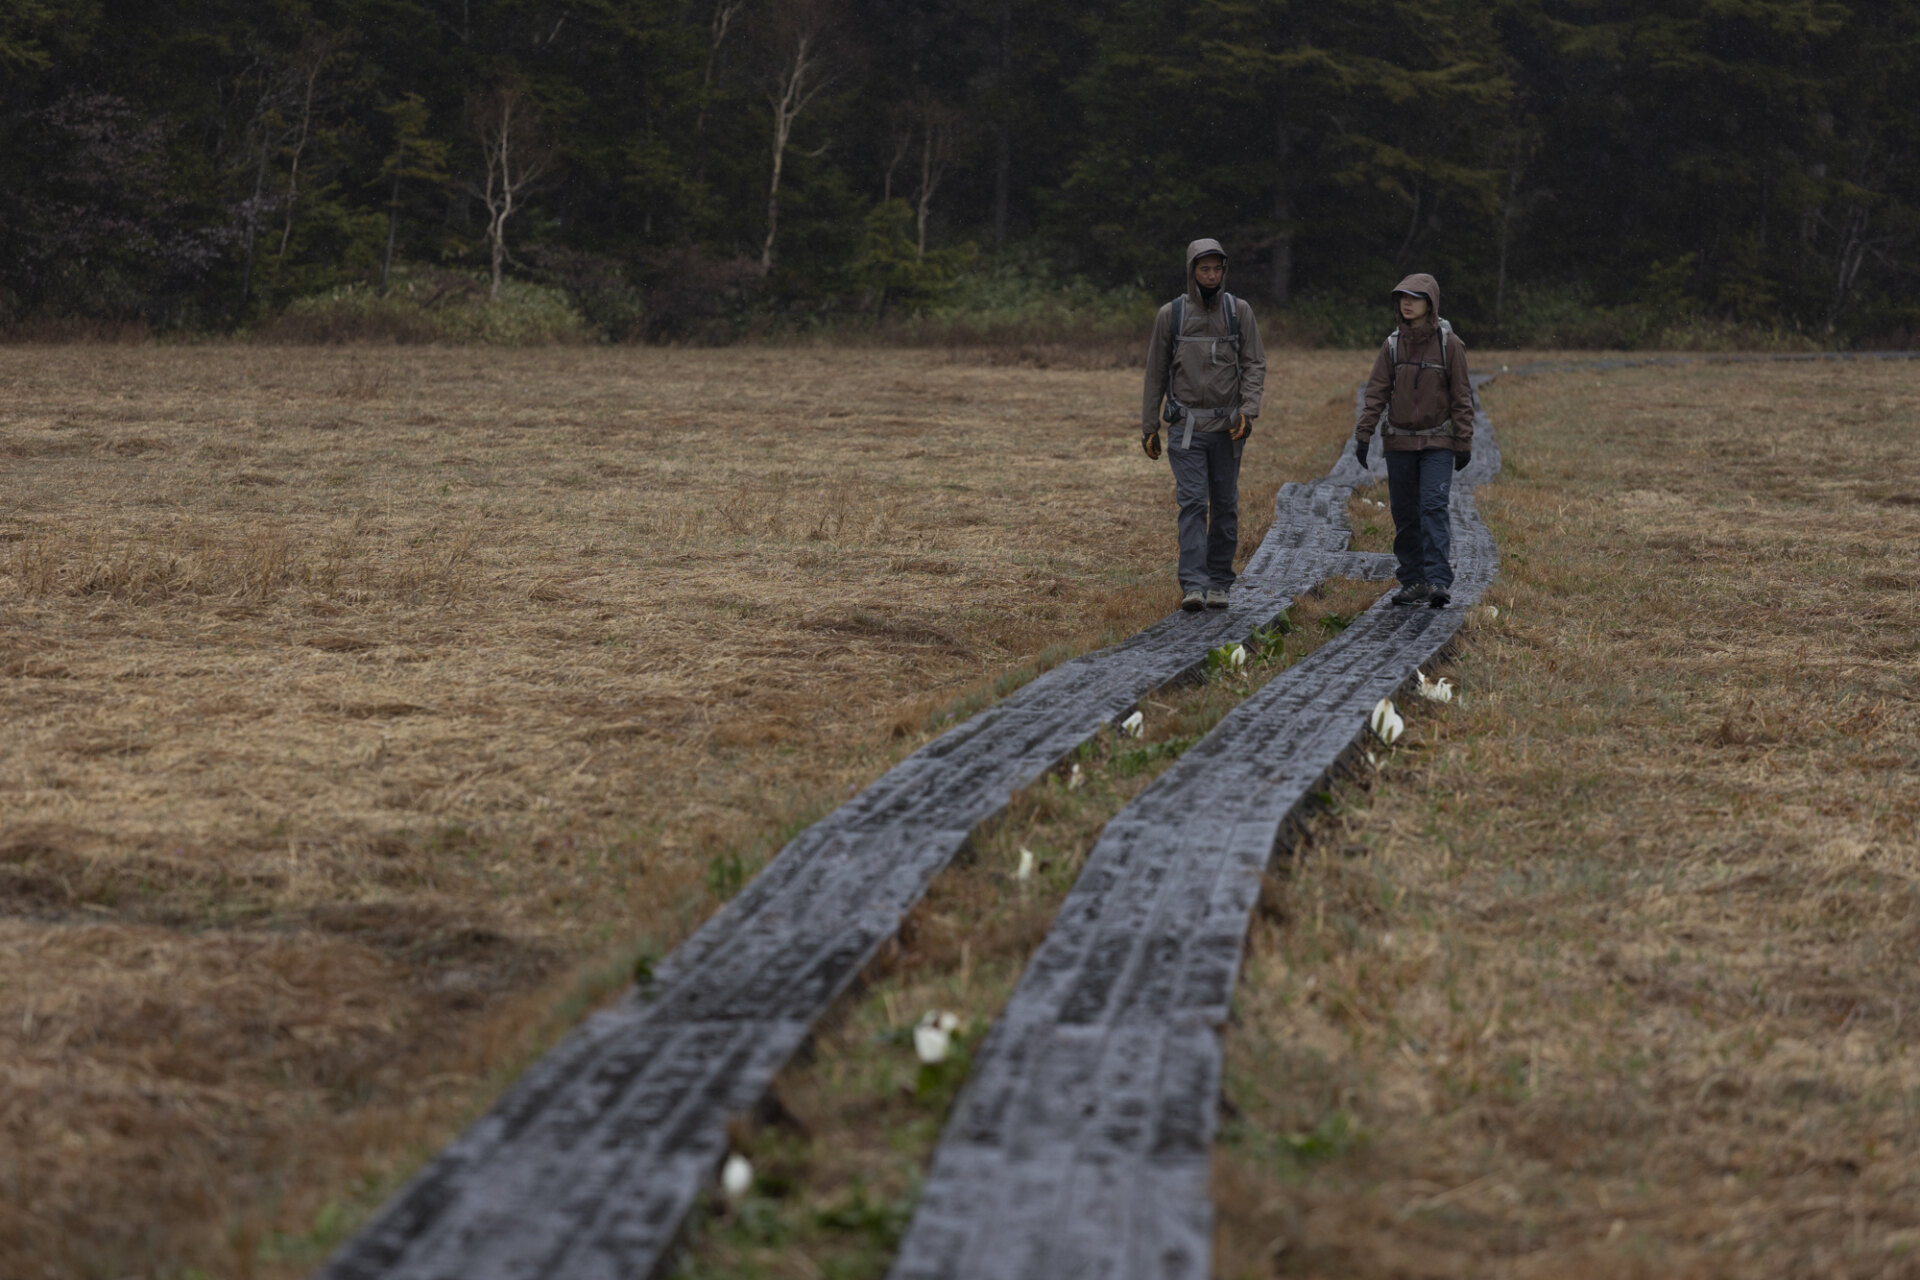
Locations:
703 168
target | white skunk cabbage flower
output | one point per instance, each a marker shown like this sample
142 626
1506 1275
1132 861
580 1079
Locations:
736 1176
1237 657
1134 725
1373 761
1076 779
1440 690
1025 871
1386 722
1493 612
933 1036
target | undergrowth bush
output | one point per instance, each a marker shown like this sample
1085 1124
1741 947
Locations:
1568 317
1019 299
425 305
1017 308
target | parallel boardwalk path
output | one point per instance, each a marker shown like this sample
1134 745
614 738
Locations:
1081 1142
588 1165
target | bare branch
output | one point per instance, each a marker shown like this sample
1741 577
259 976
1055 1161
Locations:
801 73
507 127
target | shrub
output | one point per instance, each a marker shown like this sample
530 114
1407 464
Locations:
427 305
694 296
598 287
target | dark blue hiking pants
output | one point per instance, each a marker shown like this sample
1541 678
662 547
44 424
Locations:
1418 486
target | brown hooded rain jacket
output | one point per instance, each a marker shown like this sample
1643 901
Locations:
1423 408
1206 376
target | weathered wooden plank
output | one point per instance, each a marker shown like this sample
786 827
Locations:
589 1164
1081 1142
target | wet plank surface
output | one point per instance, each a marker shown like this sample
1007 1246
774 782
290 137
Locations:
1081 1143
589 1164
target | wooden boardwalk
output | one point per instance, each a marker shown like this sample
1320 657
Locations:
1081 1143
590 1163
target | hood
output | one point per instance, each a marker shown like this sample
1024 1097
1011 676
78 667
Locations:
1418 282
1197 250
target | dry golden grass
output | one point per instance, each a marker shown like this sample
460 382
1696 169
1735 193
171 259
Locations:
367 712
1609 974
841 1156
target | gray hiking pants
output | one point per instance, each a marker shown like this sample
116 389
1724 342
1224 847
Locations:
1206 483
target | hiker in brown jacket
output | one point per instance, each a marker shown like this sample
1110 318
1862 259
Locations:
1421 400
1206 373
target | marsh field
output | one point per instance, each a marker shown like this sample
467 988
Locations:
370 714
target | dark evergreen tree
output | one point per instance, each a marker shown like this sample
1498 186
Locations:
203 162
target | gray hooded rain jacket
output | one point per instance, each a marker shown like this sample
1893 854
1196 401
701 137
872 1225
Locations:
1207 375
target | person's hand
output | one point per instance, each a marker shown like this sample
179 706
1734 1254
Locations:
1150 442
1360 452
1461 459
1241 429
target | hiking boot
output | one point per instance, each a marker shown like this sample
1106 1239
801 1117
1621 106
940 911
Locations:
1438 597
1413 593
1194 601
1217 598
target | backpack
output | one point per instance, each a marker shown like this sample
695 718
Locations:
1420 367
1174 409
1393 354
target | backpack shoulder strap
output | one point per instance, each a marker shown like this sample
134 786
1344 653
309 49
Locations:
1233 320
1175 323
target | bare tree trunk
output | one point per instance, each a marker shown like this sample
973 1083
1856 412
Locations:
1506 238
499 203
936 149
1002 182
1280 265
930 170
797 83
1413 228
253 228
393 226
503 120
724 12
902 141
1853 255
928 179
1766 193
1003 140
316 61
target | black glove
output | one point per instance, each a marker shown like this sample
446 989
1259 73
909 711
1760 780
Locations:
1460 460
1150 442
1360 452
1241 429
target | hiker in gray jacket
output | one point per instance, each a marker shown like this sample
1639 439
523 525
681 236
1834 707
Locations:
1206 371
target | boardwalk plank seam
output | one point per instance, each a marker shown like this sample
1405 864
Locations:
589 1164
1081 1142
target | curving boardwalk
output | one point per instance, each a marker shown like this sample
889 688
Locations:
588 1165
1081 1143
